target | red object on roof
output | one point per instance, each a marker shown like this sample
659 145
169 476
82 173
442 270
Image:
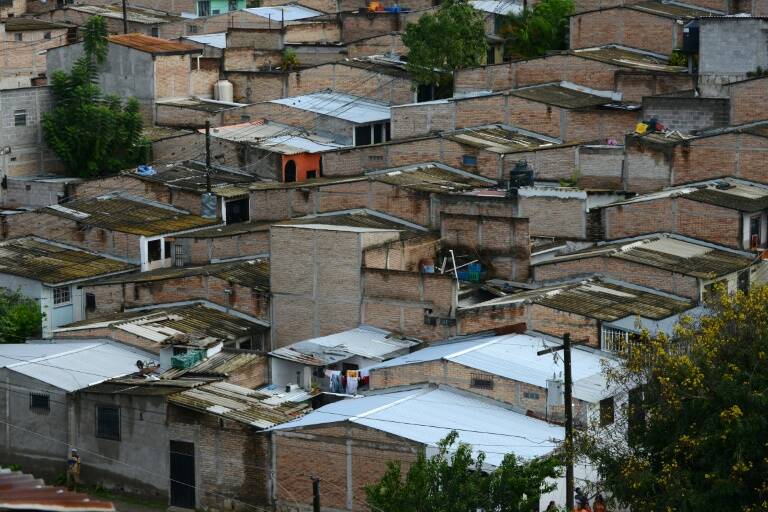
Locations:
20 491
153 45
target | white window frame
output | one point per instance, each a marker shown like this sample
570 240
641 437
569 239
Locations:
20 114
62 290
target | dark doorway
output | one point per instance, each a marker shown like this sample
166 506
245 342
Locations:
182 474
290 171
237 211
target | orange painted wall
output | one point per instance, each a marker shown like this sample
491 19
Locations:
304 162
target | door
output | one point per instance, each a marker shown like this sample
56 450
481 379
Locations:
290 172
182 474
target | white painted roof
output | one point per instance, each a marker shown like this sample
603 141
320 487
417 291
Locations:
514 357
71 366
285 12
497 6
355 109
217 40
428 415
275 137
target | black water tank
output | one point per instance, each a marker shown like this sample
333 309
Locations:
691 37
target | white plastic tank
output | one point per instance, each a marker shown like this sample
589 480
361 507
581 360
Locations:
224 91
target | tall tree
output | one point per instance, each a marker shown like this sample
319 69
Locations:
92 133
695 433
453 481
20 317
448 40
537 30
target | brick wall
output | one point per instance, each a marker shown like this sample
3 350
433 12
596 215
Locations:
183 117
625 27
402 254
203 76
556 323
114 334
377 45
345 78
687 114
635 273
249 59
254 87
422 119
313 32
733 154
478 320
635 85
172 76
356 26
26 58
748 100
331 453
202 250
230 459
599 167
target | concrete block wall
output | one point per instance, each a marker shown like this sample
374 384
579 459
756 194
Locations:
687 114
202 249
255 87
34 194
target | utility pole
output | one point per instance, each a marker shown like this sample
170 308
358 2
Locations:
566 348
315 494
125 17
208 156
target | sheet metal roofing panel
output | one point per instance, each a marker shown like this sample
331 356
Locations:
52 263
355 109
21 491
13 353
291 12
497 6
561 96
427 416
368 342
431 177
628 57
514 357
217 40
78 368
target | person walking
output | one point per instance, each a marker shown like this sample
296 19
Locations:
73 470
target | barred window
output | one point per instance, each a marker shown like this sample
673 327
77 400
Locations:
108 422
531 395
481 381
39 402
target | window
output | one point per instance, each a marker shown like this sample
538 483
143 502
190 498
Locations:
378 134
606 412
153 250
204 8
90 302
47 35
469 160
193 29
481 381
19 118
232 5
237 211
155 32
490 55
531 395
61 295
311 174
19 36
108 422
362 135
39 402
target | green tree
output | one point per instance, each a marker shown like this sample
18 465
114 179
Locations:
20 317
695 433
92 133
453 481
438 44
537 30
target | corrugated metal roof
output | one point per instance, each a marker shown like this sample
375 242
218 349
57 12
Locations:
219 365
20 23
671 252
21 491
360 219
237 403
672 9
365 341
431 177
217 40
629 57
355 109
564 96
275 137
251 273
501 139
129 214
54 264
135 14
191 176
514 357
73 366
165 324
153 45
289 12
427 416
504 7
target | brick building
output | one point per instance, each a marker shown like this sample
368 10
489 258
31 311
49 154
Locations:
23 46
667 262
661 160
564 110
149 22
688 112
632 72
729 212
653 25
140 66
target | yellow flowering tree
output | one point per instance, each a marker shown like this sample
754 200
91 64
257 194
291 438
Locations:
694 435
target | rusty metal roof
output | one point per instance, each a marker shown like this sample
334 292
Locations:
22 491
54 263
251 273
501 139
564 95
237 403
129 214
671 252
431 177
153 45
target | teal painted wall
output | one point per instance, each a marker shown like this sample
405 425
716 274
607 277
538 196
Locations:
219 6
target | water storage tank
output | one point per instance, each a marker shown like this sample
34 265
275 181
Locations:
223 91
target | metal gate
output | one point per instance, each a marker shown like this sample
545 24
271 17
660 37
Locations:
182 474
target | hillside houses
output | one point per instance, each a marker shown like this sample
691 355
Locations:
326 266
